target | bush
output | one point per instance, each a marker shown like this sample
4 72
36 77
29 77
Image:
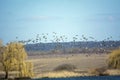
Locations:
114 59
67 67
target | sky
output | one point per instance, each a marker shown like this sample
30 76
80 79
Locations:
27 18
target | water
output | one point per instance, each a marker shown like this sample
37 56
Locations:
85 78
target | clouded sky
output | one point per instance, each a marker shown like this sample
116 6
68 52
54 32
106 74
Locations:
27 18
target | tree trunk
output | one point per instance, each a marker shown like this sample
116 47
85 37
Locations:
6 74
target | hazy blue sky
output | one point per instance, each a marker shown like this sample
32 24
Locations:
26 18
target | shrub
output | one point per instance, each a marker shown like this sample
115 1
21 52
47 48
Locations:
67 67
114 59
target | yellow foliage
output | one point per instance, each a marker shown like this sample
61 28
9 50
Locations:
114 59
26 69
13 58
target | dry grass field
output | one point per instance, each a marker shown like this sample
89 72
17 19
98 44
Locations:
44 65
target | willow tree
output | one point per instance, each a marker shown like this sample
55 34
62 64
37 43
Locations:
114 59
1 51
13 59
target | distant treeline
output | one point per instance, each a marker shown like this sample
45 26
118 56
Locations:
83 45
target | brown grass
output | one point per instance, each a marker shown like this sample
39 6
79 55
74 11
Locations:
112 72
45 64
61 74
98 71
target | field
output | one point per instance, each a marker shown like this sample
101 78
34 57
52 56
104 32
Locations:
44 65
